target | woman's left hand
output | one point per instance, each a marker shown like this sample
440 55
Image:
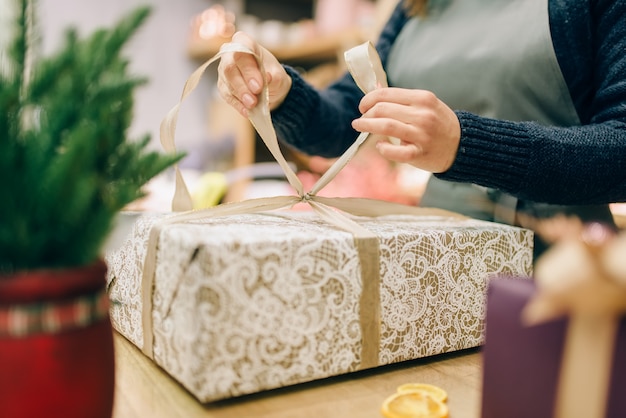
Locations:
428 130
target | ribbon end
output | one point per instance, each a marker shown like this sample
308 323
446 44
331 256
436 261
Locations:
182 198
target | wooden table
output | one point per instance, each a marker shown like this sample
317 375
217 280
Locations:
144 390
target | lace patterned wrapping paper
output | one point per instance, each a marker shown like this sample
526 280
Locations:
246 303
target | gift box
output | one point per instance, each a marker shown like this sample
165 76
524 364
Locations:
529 367
249 302
247 296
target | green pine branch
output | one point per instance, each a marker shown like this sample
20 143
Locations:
67 163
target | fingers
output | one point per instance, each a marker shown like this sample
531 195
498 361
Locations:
225 92
399 113
247 63
400 96
428 130
240 80
402 153
391 119
239 77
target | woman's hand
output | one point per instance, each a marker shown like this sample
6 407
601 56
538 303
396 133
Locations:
240 80
428 130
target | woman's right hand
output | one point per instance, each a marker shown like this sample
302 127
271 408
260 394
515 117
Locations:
240 80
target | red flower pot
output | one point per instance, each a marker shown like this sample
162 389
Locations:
56 344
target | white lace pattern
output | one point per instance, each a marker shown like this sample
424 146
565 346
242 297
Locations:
254 302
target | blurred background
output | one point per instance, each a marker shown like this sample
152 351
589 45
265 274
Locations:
179 36
226 160
310 35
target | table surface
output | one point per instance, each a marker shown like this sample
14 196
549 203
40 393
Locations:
143 389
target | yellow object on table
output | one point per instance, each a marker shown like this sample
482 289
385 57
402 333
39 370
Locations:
435 391
414 404
210 190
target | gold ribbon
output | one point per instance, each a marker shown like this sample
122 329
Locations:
586 281
364 65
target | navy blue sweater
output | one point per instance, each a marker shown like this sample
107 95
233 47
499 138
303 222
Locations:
564 165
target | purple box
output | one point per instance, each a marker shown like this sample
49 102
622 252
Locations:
521 364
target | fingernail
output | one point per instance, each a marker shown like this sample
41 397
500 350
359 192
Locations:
248 101
254 85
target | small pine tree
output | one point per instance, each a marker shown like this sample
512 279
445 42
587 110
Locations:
67 166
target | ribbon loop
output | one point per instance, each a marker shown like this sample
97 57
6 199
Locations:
365 67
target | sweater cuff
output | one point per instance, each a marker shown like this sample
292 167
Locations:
492 153
295 112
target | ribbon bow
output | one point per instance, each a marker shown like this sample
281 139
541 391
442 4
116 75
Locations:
585 279
363 63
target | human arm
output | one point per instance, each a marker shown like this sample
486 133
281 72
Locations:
567 165
577 164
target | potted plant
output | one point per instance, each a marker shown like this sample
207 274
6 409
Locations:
67 169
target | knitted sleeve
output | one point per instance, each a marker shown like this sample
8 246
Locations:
572 165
